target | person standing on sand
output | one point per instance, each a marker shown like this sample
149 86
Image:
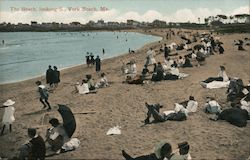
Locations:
49 76
8 116
92 59
87 59
97 64
150 56
56 76
166 51
44 95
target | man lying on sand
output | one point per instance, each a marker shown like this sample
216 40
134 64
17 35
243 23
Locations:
163 151
179 114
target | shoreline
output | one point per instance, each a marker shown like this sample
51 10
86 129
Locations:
42 76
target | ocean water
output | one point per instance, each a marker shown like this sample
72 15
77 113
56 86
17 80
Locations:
26 55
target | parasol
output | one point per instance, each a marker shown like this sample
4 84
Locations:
69 122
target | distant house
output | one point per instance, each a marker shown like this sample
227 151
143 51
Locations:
34 23
113 24
133 23
158 23
90 24
75 24
46 25
100 23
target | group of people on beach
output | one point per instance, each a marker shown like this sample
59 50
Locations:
238 94
91 61
169 71
52 76
169 68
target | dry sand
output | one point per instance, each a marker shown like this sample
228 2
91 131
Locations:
123 105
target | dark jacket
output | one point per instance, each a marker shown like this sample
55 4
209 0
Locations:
235 116
49 75
38 148
97 64
56 76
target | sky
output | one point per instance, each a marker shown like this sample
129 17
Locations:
25 11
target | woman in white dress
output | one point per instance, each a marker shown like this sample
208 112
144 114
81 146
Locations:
150 57
8 116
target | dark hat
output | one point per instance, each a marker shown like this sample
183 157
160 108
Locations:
191 98
183 148
32 132
103 74
222 68
88 76
54 122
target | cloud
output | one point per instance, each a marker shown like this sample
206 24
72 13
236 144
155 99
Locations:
241 10
66 16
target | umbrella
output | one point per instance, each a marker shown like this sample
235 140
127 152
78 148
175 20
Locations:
69 121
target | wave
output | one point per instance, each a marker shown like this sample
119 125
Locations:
7 46
23 61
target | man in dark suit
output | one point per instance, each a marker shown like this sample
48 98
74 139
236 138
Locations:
35 148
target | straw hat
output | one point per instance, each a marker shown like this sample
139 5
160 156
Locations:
9 102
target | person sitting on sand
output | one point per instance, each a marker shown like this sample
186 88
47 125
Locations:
137 79
35 148
124 68
222 76
145 71
221 49
187 62
158 73
212 106
167 64
236 89
103 82
235 116
56 136
82 88
180 61
90 82
44 94
173 74
188 106
200 57
183 153
132 68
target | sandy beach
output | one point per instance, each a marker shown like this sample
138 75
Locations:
124 105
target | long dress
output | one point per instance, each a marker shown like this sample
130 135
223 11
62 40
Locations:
8 116
151 58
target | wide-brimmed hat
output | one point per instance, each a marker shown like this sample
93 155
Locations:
9 102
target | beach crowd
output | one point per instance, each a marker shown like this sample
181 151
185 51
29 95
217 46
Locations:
198 46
